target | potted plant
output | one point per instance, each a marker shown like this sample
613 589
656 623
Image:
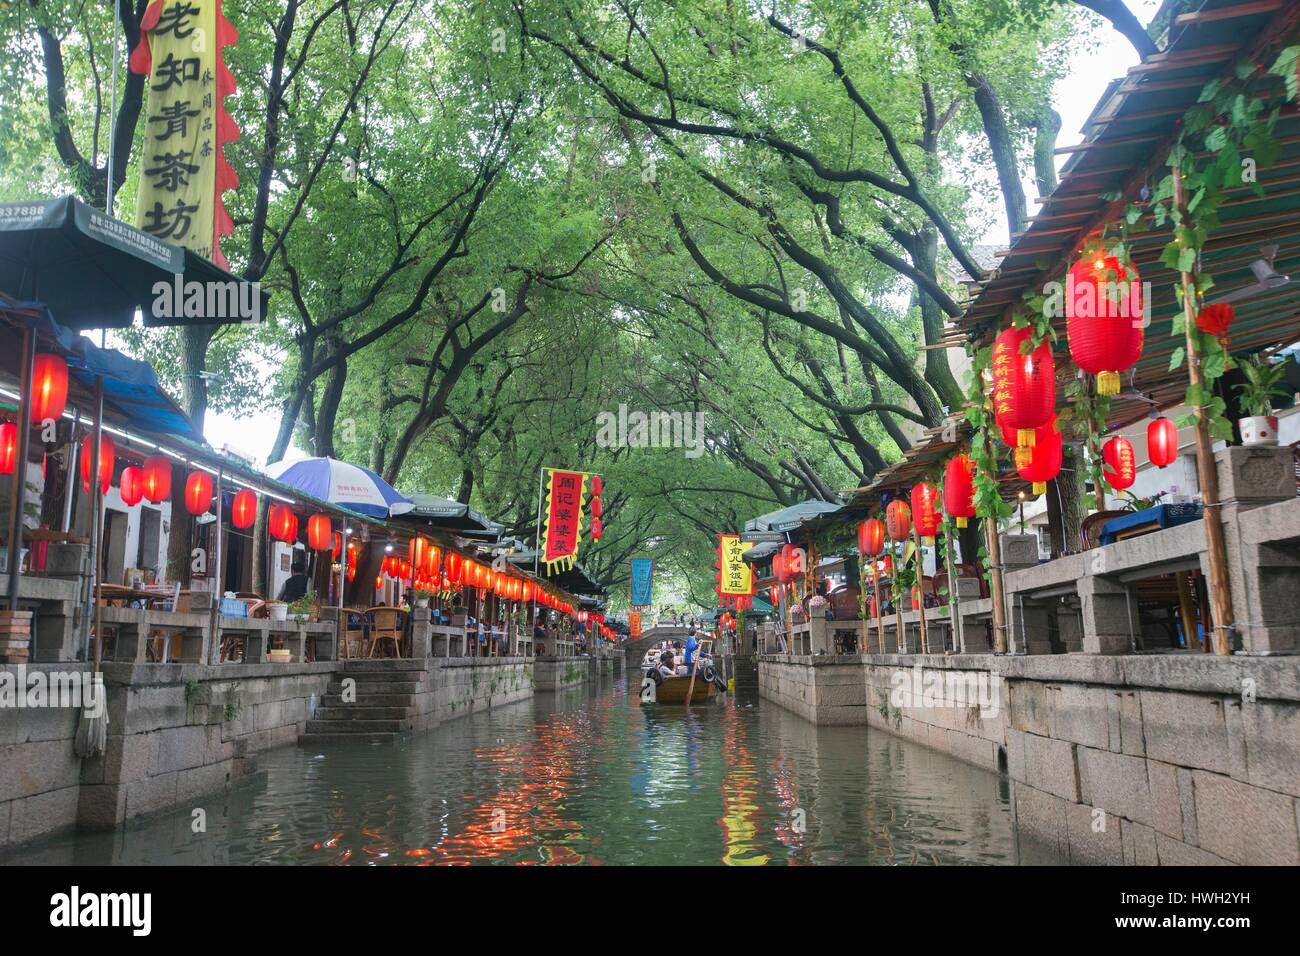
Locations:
304 607
421 597
1262 385
277 610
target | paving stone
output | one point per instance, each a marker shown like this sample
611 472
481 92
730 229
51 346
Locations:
1244 823
1079 714
1188 730
1117 783
1050 766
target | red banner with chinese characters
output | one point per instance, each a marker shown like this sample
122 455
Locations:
183 170
565 494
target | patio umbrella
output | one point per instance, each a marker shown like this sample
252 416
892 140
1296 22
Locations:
94 271
340 483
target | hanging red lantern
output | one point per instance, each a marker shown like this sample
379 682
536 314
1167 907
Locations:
898 520
49 387
871 537
8 447
597 486
198 492
787 564
131 486
379 583
351 573
597 529
418 546
1121 463
1104 318
282 523
1162 442
404 570
106 462
596 506
454 561
432 560
320 532
959 489
926 510
157 478
337 545
1044 459
1024 385
243 508
526 591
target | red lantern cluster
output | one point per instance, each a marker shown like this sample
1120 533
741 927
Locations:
106 461
49 387
1162 442
1044 462
198 492
157 478
898 520
788 563
1024 384
282 523
871 537
597 508
959 489
1120 461
926 510
1104 318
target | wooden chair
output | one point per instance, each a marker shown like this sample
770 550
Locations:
385 625
1090 527
354 630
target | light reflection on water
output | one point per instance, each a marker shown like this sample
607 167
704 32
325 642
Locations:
590 777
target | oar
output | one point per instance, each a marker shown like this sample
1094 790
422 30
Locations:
695 662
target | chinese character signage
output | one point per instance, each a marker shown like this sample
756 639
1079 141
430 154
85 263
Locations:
643 576
735 577
565 493
183 171
633 625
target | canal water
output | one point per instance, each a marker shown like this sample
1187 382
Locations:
588 776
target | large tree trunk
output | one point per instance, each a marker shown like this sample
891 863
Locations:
1047 128
327 412
1004 150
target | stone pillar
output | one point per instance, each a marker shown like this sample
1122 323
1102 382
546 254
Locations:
1019 551
1031 628
1263 577
819 634
421 633
1069 625
326 648
1109 615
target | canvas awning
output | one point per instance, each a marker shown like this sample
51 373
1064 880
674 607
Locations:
453 515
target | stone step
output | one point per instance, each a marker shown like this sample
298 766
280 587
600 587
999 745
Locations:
357 726
383 677
335 699
381 664
366 690
363 712
311 740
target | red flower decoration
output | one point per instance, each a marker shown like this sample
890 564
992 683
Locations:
1216 319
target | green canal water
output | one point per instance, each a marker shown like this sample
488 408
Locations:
589 777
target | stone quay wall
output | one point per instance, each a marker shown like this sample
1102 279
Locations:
557 673
1154 759
465 685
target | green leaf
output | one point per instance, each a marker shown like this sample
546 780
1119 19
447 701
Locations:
1176 359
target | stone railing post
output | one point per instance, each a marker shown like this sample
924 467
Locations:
421 633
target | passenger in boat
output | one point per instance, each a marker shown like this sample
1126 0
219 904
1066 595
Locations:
666 668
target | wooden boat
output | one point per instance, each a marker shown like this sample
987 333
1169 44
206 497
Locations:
672 690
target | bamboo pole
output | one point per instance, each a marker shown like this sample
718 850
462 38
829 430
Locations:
862 592
1206 471
880 610
920 588
899 634
954 606
993 544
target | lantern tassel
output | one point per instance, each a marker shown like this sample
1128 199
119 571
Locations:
1108 383
1025 437
961 522
1023 458
1040 487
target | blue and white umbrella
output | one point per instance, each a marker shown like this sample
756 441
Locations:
348 486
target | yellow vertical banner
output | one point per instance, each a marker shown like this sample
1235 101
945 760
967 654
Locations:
182 168
735 577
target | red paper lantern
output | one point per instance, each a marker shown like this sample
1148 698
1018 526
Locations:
1121 463
926 510
597 486
404 570
379 582
198 492
418 546
49 387
131 486
432 560
526 591
454 562
157 478
243 508
8 447
597 529
106 461
320 532
596 506
787 564
282 523
871 537
1104 318
898 520
1024 386
1162 442
1044 459
959 489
